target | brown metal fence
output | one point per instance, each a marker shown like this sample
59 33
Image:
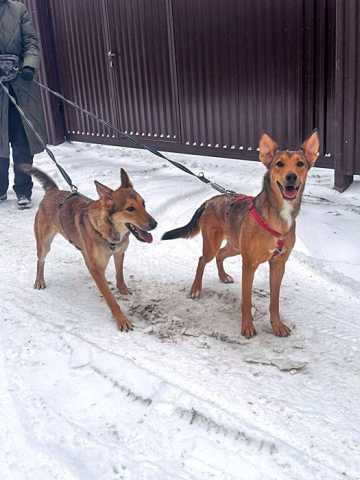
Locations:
207 76
347 93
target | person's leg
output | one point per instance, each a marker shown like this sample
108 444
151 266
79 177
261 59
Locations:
21 153
4 177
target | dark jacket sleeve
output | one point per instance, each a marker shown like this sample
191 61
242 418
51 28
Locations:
30 42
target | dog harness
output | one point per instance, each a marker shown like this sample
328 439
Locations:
280 244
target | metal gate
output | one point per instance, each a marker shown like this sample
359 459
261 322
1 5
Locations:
117 63
208 76
240 71
141 61
199 76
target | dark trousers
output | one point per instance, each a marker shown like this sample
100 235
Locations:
21 154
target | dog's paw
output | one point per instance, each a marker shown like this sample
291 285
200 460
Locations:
248 330
280 329
226 279
195 293
39 285
123 289
124 325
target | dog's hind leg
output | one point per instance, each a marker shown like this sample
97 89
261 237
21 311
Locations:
225 252
119 266
44 233
211 243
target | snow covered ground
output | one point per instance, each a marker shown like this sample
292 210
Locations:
183 396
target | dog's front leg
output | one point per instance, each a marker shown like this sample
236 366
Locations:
247 325
119 267
97 271
277 269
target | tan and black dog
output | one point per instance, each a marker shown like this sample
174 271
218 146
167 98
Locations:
260 229
99 229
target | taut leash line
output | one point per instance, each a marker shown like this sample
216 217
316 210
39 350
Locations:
65 175
201 177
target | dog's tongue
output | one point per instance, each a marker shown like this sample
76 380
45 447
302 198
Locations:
290 193
145 236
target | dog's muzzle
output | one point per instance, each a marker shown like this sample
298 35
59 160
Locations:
289 191
142 235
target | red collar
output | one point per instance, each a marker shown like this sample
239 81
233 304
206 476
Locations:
261 222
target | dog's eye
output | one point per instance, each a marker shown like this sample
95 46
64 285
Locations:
130 209
300 163
143 204
279 164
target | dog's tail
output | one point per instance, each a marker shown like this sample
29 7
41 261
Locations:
189 230
46 182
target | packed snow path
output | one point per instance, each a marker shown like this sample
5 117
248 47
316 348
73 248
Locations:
184 396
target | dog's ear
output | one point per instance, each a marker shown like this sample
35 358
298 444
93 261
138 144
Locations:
311 148
267 148
125 180
103 190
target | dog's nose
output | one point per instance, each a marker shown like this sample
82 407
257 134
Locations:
153 224
291 178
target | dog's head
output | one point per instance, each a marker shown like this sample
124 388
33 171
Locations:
288 169
122 210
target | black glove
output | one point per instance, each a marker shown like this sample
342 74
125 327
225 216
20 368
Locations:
27 74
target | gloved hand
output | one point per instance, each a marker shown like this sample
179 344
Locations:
27 74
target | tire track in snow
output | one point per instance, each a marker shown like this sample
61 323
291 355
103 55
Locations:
253 440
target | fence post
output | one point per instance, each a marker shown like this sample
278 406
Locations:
344 142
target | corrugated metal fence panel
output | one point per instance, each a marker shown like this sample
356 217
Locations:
329 80
81 51
351 41
144 68
240 70
207 72
347 93
354 166
319 73
198 75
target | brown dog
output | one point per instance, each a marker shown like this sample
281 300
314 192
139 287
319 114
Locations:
260 229
99 229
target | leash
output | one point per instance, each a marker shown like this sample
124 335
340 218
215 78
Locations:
199 176
239 198
63 172
280 244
